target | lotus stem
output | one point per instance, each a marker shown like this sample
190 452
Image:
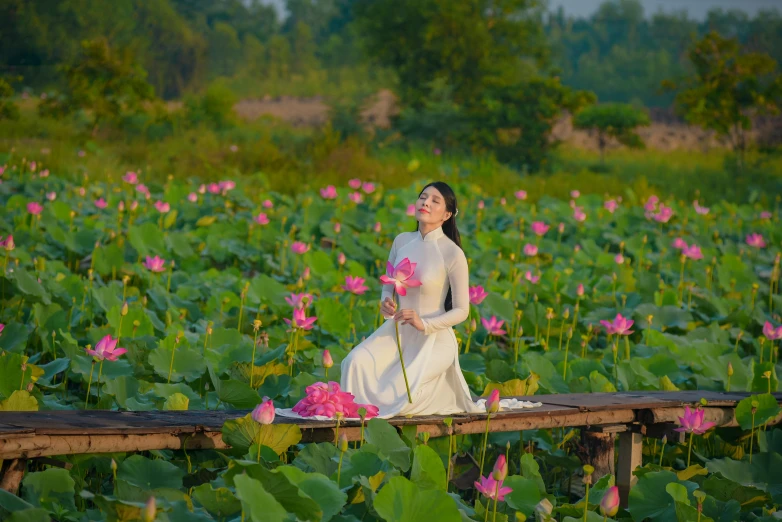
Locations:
662 451
100 373
586 502
401 357
89 385
485 440
689 449
496 495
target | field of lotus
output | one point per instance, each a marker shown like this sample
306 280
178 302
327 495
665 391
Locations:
150 293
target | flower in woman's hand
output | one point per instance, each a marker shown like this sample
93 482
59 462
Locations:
264 412
401 276
107 349
155 264
493 325
410 317
355 285
492 489
300 320
477 294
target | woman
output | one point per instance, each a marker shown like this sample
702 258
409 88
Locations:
426 315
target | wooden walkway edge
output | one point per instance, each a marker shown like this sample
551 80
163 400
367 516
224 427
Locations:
630 415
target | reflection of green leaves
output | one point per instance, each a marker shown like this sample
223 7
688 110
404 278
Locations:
244 432
380 433
767 409
402 501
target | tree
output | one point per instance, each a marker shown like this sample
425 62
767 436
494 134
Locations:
8 109
613 120
728 89
104 82
474 72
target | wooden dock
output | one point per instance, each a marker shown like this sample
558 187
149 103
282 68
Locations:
604 416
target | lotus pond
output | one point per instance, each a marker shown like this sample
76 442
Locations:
155 294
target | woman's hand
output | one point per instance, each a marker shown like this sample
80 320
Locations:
410 317
387 307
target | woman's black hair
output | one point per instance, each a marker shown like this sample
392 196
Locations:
449 226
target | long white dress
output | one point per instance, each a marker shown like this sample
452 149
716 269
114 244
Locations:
372 372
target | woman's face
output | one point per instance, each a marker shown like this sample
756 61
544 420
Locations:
430 207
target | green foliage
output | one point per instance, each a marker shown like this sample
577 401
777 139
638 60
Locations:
613 120
214 108
729 88
8 109
103 81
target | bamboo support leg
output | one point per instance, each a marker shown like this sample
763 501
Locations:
12 474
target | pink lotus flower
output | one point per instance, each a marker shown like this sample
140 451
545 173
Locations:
401 276
699 209
202 189
162 206
411 210
81 191
130 177
155 264
530 250
44 174
503 202
337 227
141 188
651 203
297 247
575 194
477 294
264 412
493 402
34 208
107 349
81 153
328 399
7 243
267 203
664 214
32 166
300 320
765 215
756 240
481 205
437 152
355 285
101 203
354 183
521 194
302 300
51 196
368 187
611 205
133 205
500 471
561 228
579 215
213 188
692 252
377 228
262 219
355 197
580 289
531 278
771 333
121 206
619 258
192 197
2 327
493 325
609 505
328 362
233 148
679 244
539 228
692 422
619 326
341 259
227 185
330 192
492 489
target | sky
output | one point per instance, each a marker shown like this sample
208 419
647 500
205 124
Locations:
695 8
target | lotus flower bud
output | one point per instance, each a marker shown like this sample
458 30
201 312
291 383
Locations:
730 370
149 512
328 362
343 442
113 465
500 471
609 505
124 311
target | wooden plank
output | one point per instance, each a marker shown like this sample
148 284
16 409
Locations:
608 401
630 453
